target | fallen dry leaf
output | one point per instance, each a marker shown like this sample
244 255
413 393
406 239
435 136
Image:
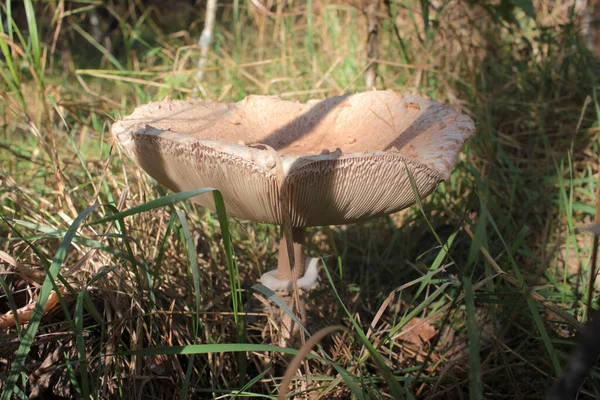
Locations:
419 333
8 319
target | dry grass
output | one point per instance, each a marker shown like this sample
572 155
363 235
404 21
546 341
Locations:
491 314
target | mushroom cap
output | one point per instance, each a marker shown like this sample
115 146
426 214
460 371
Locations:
336 161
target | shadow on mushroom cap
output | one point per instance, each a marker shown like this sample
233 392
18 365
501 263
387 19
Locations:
341 160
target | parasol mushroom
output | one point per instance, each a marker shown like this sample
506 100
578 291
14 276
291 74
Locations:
335 161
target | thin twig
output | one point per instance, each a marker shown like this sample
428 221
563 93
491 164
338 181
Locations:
388 6
371 9
206 37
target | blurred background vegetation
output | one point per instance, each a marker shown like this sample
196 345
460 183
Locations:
479 293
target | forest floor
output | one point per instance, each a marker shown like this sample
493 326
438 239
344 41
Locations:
480 292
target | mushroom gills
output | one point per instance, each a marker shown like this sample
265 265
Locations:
255 149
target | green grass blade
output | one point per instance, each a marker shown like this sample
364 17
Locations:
185 387
34 36
346 376
8 7
12 78
98 47
439 259
193 262
80 345
234 280
419 308
479 240
11 303
535 313
18 366
395 387
419 204
72 141
271 295
213 348
48 233
153 204
232 267
36 46
249 384
475 382
161 251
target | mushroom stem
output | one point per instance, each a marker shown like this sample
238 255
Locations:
284 270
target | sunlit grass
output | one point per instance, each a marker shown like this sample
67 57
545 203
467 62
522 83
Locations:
492 263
